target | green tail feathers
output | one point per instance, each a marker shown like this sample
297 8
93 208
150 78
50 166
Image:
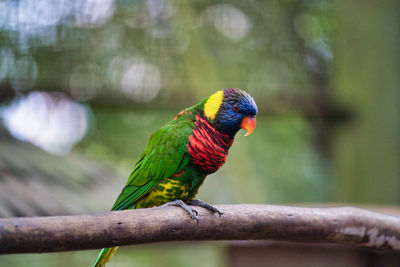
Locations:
104 256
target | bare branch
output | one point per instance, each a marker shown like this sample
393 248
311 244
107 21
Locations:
345 225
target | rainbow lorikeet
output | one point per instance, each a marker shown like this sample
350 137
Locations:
181 154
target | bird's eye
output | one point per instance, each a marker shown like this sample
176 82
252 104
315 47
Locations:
235 108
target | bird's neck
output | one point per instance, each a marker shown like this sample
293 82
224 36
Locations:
208 146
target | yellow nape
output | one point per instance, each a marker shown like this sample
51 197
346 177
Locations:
212 105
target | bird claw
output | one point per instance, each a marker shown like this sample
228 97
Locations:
179 203
200 203
219 213
214 210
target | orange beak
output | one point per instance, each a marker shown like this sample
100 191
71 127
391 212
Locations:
248 124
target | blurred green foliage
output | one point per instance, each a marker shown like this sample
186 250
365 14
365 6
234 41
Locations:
189 255
190 49
323 73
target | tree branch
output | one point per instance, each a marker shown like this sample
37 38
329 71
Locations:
345 225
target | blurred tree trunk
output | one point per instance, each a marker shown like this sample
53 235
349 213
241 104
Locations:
366 79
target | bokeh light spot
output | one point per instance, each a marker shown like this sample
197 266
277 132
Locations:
141 81
24 74
84 82
6 62
94 13
228 20
50 121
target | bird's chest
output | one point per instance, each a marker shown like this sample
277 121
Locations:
208 147
166 191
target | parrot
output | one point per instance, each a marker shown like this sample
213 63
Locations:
178 156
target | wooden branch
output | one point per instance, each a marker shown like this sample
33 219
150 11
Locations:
345 225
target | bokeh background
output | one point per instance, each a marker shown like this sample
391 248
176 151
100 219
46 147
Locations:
84 83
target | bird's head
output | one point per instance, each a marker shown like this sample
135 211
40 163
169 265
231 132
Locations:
230 110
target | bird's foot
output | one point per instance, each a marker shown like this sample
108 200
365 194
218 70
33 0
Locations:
179 203
200 203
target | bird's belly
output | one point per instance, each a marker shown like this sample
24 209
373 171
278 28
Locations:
166 191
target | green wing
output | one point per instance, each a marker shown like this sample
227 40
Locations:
165 155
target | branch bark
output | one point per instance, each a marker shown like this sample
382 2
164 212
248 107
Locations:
344 225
